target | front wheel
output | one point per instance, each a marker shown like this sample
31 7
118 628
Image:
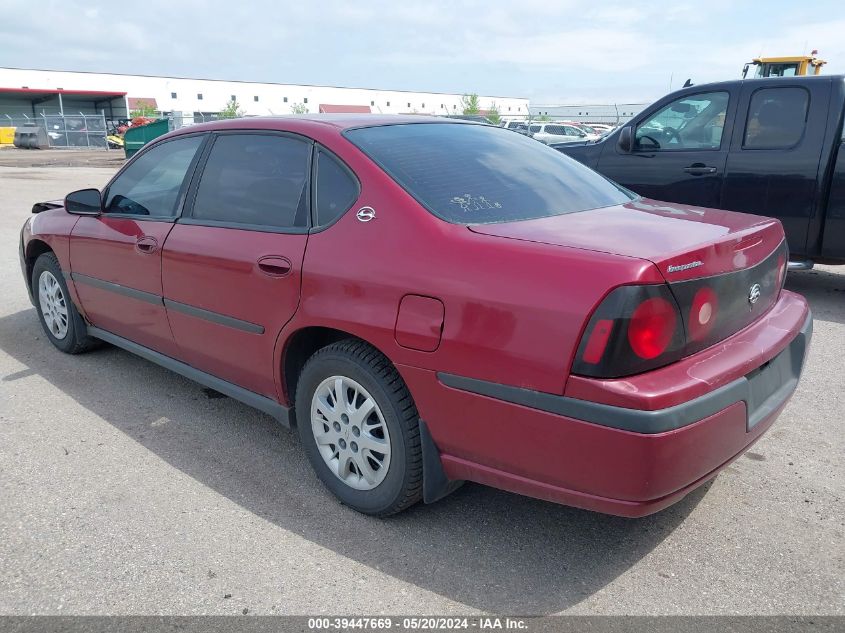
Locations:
360 429
59 318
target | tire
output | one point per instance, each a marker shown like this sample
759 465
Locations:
368 376
59 318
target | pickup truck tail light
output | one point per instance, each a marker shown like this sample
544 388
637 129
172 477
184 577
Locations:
639 328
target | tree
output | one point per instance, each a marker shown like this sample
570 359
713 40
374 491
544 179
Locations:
470 104
543 117
299 108
143 109
493 115
232 110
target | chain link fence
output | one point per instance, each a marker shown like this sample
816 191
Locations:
68 131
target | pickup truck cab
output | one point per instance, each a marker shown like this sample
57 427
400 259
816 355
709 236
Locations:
764 146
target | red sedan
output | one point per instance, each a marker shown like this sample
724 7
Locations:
433 301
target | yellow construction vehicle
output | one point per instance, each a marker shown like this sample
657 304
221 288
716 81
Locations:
785 66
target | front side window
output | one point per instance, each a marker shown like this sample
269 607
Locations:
151 184
692 122
776 118
255 179
472 174
574 131
335 189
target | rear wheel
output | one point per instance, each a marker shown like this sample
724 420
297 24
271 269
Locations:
59 318
359 428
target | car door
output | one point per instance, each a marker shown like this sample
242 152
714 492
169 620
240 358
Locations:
679 150
115 257
231 266
774 161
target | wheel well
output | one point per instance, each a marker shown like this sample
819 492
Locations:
34 250
301 346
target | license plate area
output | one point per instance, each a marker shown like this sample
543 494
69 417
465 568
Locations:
772 383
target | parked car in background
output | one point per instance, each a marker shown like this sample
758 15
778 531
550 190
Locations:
766 146
597 348
549 133
516 126
592 133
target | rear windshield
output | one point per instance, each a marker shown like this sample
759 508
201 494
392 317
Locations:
474 174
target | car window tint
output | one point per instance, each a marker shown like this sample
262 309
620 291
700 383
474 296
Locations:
692 122
336 190
476 173
555 129
150 185
534 128
776 118
255 179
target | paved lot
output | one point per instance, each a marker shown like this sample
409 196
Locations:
125 489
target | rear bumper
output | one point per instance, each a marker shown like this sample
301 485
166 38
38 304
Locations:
617 460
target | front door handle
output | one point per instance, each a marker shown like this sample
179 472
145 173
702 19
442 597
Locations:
699 169
274 265
146 244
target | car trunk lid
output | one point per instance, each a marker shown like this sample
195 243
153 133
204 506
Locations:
683 241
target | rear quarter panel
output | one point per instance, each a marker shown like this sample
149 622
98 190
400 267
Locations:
514 309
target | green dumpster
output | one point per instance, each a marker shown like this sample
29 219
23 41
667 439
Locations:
136 137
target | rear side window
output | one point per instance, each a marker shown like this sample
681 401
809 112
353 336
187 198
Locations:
776 118
336 189
151 184
471 174
254 179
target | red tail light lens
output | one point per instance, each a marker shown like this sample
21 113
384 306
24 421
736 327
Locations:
652 327
635 328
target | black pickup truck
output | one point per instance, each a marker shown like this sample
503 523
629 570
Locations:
764 146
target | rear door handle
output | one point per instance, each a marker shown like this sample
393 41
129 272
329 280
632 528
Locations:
699 169
274 265
147 244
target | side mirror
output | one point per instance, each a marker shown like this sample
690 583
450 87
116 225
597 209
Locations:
626 139
84 202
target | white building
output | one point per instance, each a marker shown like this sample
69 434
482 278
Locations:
36 92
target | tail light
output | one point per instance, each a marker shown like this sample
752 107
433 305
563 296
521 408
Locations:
635 328
639 328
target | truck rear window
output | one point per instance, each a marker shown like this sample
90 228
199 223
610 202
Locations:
475 174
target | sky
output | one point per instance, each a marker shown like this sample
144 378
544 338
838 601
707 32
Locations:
549 51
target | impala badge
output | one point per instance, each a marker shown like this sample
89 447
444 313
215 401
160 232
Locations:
365 214
754 294
679 268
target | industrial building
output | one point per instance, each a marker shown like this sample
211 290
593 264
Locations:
35 93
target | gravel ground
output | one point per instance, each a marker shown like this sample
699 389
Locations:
126 489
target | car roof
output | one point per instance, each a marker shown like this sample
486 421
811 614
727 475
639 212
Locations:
303 123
